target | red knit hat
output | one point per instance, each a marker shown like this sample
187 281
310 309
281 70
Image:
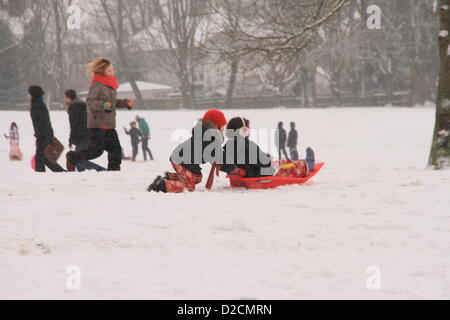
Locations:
215 116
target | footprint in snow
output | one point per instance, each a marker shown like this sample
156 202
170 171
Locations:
235 226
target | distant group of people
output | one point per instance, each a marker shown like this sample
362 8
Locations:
291 141
139 134
92 125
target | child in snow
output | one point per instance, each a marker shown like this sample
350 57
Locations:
102 103
243 157
14 152
239 149
135 135
200 148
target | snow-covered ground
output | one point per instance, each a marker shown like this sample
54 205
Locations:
374 203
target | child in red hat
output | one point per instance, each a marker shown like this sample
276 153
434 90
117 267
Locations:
200 148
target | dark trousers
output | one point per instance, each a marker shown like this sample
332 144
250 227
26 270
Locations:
145 148
282 150
134 147
294 153
41 161
101 140
86 165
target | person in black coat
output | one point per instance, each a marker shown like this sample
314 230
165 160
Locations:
135 136
43 130
280 140
188 156
292 142
241 156
79 132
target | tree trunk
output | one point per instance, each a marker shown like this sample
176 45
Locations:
440 149
130 75
186 89
122 55
388 88
60 74
419 86
336 88
191 86
119 40
231 82
305 88
313 86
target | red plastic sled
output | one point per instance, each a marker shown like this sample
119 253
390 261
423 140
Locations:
270 182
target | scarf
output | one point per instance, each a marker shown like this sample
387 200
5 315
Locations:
107 81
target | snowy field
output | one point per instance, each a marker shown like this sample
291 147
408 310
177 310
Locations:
374 203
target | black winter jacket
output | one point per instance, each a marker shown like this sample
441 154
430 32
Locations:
280 138
135 135
40 117
292 139
79 133
196 146
236 154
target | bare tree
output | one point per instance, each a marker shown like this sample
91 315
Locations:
40 50
279 28
217 45
273 36
440 150
172 41
60 29
116 22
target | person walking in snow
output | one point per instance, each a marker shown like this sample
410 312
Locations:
43 130
14 151
207 135
145 130
292 142
102 104
79 132
280 140
135 136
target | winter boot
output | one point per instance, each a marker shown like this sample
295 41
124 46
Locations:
158 185
171 176
69 164
310 159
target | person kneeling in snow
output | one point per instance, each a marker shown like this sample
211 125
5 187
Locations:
244 158
200 148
